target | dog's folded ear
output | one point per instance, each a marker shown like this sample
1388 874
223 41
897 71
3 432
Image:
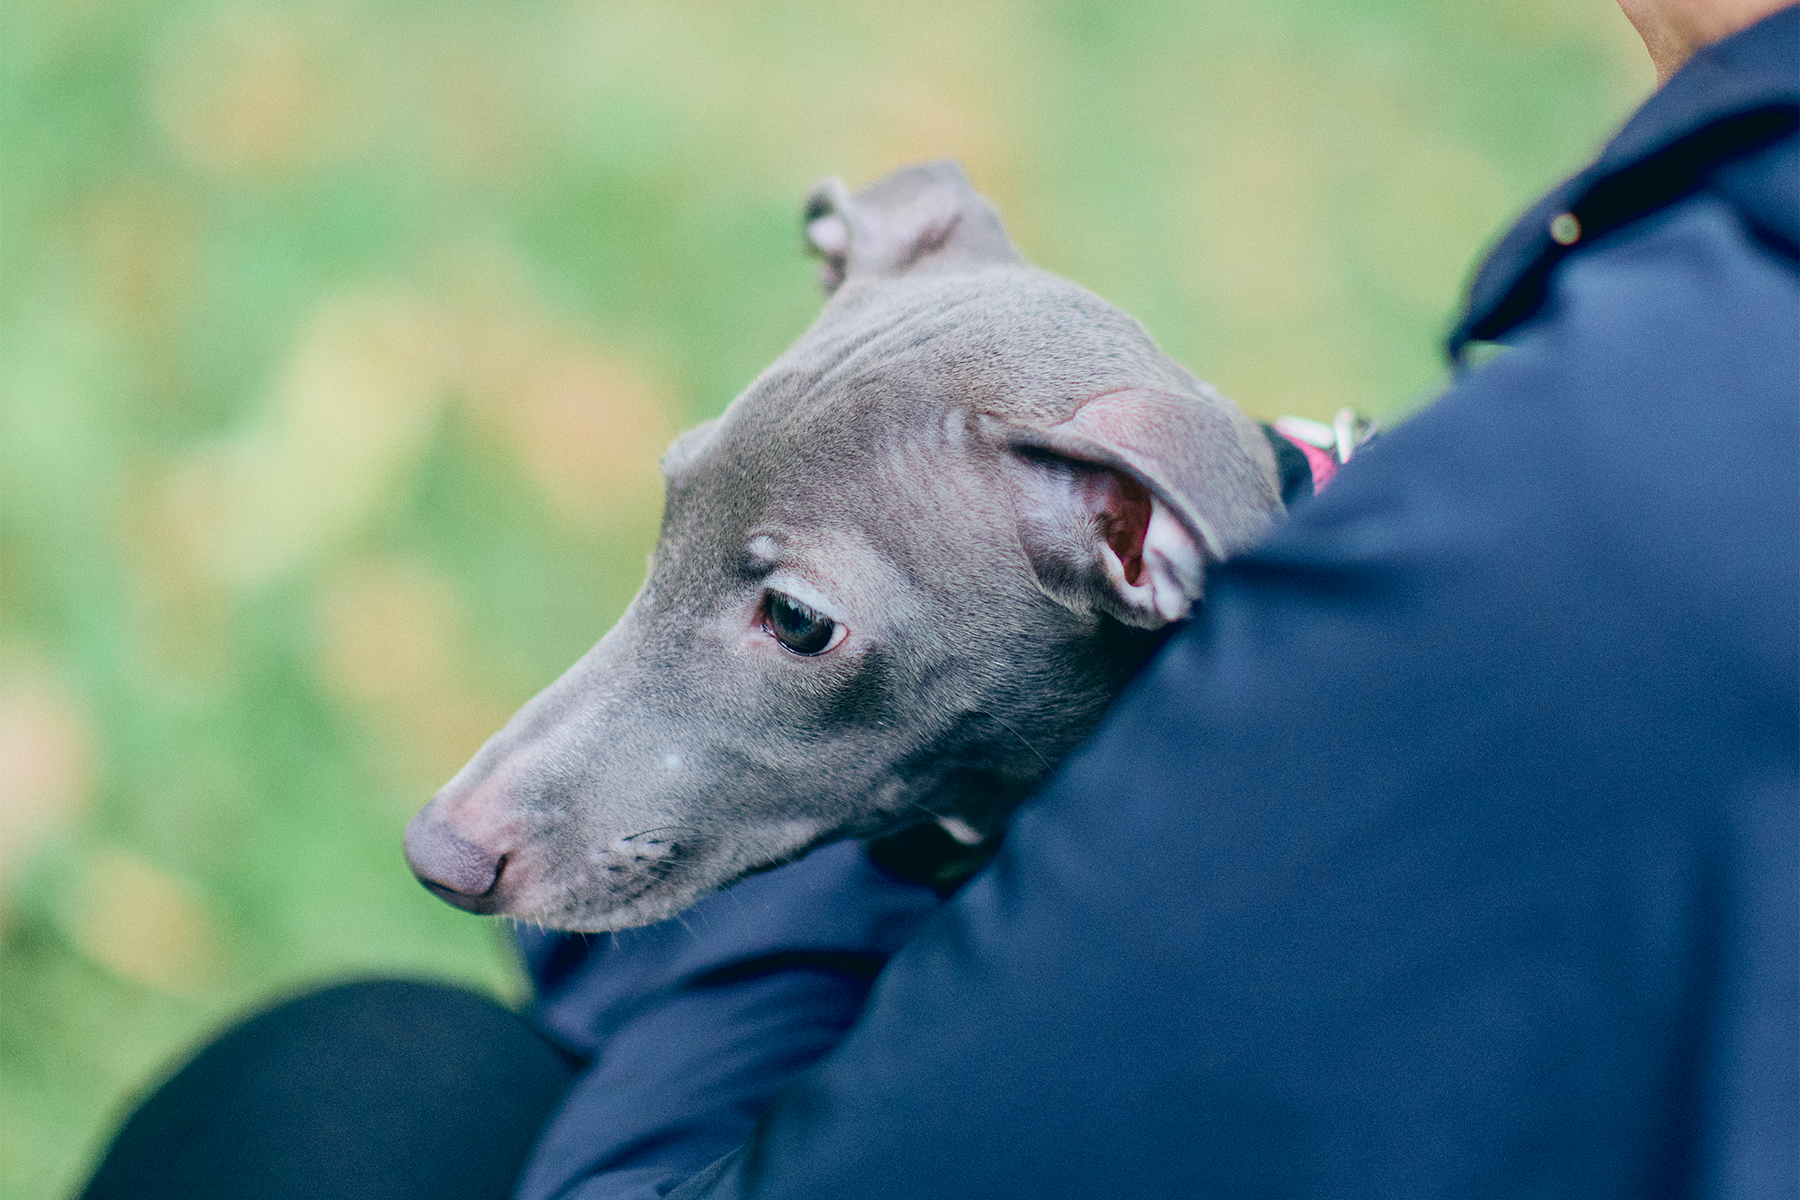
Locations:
917 217
1121 506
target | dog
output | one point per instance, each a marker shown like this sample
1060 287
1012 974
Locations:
898 580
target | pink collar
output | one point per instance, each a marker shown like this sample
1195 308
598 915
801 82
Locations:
1327 447
1324 466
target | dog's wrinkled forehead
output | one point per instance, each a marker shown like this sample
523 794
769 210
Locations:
888 358
931 309
882 392
936 329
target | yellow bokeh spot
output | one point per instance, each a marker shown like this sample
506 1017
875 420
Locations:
587 426
143 924
353 405
47 765
392 644
256 93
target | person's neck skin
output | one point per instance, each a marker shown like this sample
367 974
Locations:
1674 29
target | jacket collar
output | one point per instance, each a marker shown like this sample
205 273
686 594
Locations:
1732 97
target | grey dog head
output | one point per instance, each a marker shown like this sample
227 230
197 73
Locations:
900 578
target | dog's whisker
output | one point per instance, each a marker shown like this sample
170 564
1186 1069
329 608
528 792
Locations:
932 813
1048 765
660 829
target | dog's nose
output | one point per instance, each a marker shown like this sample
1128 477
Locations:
453 868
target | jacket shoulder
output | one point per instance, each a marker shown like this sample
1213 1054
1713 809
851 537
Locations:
1726 124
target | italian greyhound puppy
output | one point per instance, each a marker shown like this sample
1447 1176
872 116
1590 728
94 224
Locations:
899 579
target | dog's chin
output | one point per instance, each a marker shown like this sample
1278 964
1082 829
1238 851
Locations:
658 897
580 915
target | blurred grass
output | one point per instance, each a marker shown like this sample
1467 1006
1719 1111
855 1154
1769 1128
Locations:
338 340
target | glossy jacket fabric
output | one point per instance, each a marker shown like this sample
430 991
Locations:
1452 850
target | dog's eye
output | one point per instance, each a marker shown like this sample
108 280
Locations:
798 627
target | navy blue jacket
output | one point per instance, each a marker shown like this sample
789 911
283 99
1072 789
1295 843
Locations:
1452 850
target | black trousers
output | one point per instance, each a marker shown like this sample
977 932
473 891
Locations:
382 1090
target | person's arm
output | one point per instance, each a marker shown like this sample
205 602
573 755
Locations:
690 1025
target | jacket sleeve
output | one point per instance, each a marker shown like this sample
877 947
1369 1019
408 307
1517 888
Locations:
1451 851
690 1025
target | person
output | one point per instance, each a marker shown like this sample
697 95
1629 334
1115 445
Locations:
1454 849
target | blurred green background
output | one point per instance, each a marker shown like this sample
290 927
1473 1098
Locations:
339 339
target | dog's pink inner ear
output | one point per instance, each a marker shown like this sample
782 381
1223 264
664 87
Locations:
1124 516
